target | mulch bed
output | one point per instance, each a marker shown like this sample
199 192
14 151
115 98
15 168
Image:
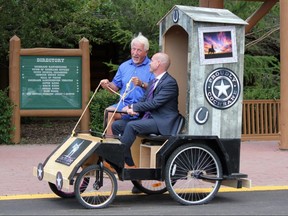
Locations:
46 131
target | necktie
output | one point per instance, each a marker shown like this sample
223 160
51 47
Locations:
150 96
151 89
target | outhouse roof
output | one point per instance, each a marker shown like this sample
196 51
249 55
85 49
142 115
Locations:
201 14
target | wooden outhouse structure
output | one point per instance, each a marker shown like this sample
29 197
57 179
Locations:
206 47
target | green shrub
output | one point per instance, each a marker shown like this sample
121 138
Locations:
261 77
6 111
101 100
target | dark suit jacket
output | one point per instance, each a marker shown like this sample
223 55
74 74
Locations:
163 106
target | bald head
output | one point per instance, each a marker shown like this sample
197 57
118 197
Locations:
160 63
164 59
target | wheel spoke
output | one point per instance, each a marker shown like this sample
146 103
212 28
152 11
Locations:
92 195
184 168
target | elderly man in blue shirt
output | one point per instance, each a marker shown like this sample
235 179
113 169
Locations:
131 78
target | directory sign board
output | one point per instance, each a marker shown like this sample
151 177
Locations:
50 82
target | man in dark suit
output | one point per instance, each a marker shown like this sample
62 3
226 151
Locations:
157 110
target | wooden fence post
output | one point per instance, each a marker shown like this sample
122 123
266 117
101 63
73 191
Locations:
84 46
14 85
284 74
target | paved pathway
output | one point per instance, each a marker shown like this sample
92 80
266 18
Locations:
264 163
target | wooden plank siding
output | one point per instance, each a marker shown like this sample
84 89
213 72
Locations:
260 120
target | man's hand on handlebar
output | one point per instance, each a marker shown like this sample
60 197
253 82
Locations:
105 84
130 111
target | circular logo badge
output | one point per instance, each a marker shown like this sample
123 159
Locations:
222 88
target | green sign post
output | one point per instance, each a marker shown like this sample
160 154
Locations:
50 82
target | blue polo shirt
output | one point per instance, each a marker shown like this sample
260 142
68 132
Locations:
125 72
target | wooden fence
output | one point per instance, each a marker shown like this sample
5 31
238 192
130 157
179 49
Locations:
260 120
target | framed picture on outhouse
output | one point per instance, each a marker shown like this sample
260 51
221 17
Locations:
217 45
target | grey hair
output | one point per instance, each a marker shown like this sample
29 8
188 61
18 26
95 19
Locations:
141 39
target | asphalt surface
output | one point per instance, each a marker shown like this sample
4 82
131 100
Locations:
266 203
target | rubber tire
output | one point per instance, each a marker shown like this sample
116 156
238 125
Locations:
182 163
101 200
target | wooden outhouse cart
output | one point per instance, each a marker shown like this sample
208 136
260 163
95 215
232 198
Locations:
206 47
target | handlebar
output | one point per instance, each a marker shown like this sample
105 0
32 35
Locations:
117 111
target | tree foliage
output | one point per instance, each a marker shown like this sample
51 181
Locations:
262 51
6 110
261 77
264 38
138 16
62 23
57 23
99 103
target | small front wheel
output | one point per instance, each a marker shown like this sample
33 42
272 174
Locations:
99 191
193 174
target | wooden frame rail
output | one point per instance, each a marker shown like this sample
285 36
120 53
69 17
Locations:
260 120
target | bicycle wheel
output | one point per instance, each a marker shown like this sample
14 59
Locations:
150 186
193 174
100 190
